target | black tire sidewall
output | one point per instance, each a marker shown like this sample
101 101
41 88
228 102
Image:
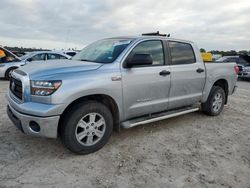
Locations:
70 123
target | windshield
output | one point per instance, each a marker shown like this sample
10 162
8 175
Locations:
103 51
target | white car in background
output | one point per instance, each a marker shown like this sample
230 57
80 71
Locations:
6 67
8 62
43 56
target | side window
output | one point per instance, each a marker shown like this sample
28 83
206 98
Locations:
153 48
52 56
181 53
62 57
38 57
55 56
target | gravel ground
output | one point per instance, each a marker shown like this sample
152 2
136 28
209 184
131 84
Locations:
193 150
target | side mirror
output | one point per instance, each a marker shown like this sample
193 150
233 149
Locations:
139 59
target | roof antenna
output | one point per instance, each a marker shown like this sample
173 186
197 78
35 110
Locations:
156 34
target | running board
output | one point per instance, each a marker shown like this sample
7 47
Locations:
149 119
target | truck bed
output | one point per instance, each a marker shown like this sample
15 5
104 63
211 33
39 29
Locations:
215 70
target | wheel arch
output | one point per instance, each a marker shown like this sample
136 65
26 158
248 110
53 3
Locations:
10 68
102 98
223 83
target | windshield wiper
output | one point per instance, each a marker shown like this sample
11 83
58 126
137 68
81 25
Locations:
90 61
85 60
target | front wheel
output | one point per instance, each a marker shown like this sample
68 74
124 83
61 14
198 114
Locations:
87 127
215 102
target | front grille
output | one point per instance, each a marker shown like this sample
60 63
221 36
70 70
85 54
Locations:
16 88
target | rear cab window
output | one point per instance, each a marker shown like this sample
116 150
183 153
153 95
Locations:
181 53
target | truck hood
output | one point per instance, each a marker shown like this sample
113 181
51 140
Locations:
41 69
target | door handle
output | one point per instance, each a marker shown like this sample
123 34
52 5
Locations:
164 73
200 70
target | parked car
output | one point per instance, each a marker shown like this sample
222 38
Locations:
7 67
43 56
8 62
243 62
236 59
116 83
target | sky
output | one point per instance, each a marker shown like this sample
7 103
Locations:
63 24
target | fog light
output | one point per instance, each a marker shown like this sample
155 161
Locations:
34 126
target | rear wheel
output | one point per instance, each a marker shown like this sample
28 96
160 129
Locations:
87 128
215 102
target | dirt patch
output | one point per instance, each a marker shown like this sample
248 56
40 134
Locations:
193 150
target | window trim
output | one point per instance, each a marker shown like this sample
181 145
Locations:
164 48
170 55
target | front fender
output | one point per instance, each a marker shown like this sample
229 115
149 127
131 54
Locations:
102 84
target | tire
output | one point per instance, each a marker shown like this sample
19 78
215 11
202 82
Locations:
7 73
209 107
77 131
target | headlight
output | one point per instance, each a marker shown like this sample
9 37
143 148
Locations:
44 88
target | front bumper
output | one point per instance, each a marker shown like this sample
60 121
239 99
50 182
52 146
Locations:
48 125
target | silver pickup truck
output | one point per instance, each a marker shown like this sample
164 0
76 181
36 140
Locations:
116 83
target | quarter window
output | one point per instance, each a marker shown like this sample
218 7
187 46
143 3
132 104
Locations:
181 53
154 48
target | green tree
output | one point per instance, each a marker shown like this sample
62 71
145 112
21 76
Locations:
202 50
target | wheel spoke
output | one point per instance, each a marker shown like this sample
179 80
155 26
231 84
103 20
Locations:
90 139
81 135
92 118
100 122
82 124
98 133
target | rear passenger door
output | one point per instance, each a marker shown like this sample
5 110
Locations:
187 75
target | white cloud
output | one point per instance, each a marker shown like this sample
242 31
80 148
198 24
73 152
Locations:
212 24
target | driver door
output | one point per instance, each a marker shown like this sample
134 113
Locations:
145 88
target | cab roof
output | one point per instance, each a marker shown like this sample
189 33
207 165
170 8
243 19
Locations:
141 37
